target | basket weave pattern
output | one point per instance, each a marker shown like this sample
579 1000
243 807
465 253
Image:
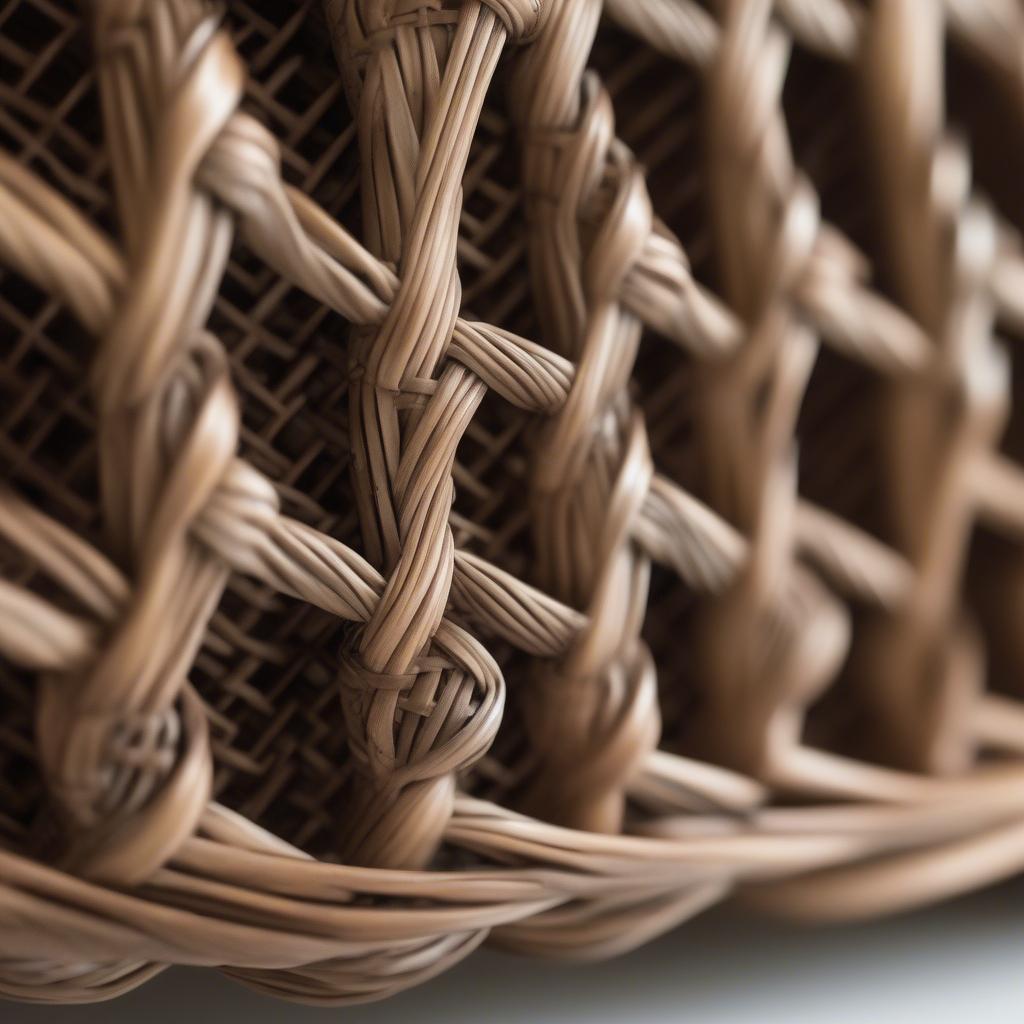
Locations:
520 470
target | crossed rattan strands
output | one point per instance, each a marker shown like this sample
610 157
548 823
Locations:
113 618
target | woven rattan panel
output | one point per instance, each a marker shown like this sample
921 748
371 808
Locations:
267 671
638 525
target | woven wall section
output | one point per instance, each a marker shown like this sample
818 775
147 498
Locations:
509 470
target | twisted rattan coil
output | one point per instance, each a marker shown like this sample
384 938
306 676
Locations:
404 544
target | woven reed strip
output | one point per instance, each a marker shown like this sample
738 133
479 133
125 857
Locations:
593 717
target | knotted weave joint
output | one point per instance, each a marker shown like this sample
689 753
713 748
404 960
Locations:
409 393
592 734
408 733
523 19
118 777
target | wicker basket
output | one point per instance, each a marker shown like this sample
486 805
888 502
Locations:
403 541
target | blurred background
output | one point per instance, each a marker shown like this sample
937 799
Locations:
960 962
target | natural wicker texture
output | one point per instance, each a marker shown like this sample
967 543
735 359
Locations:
404 539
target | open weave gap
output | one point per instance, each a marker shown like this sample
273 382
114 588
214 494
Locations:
979 107
823 108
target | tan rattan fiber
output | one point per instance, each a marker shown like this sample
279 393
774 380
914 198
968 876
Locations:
508 470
